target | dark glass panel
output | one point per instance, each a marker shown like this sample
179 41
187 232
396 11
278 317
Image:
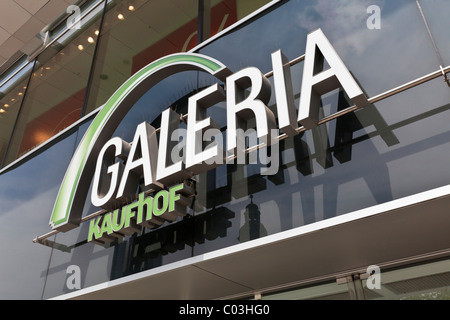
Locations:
435 12
380 59
380 153
28 192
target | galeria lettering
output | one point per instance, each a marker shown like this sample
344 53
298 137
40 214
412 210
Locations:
246 93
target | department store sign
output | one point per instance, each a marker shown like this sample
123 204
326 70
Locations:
116 167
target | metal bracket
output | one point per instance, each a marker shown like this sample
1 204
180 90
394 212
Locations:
446 79
354 285
257 295
53 244
436 50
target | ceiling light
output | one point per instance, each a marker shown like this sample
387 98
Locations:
2 111
131 8
120 16
91 40
6 105
20 93
97 32
80 47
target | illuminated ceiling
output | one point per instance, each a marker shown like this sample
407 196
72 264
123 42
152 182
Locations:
21 21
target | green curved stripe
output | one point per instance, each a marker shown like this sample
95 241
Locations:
62 208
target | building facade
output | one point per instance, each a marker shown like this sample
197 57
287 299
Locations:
355 205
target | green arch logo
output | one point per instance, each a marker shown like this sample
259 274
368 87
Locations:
69 203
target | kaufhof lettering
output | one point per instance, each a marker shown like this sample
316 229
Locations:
147 211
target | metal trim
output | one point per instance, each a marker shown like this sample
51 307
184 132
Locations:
84 15
436 49
9 77
93 63
34 55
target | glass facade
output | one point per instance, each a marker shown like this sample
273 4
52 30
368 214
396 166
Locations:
426 281
123 50
353 162
12 93
26 197
55 95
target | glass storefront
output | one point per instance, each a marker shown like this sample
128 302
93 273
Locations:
429 281
365 158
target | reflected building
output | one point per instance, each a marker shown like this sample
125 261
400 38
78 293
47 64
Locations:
252 228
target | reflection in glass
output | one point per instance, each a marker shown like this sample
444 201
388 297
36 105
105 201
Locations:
435 13
375 57
252 228
12 93
27 196
220 14
131 39
430 281
55 95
